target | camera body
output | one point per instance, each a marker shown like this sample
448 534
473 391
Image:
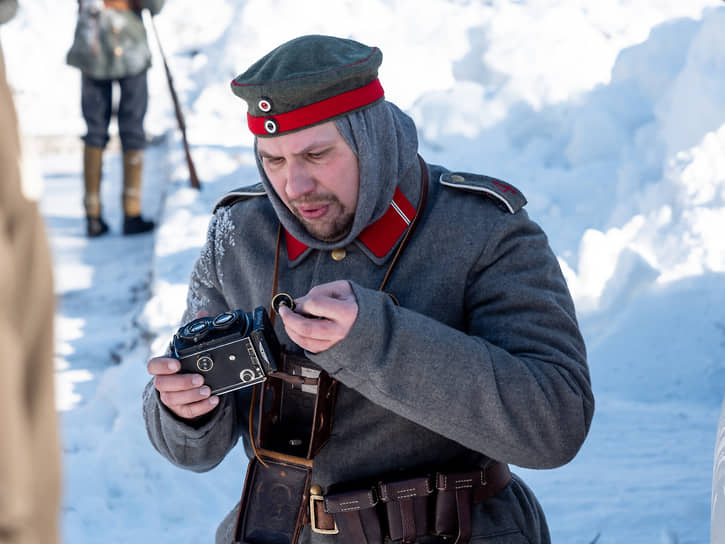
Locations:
233 350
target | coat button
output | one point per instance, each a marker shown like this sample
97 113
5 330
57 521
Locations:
118 51
339 253
315 490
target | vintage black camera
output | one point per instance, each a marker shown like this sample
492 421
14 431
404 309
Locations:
232 350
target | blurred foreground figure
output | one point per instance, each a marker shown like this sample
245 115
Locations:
110 47
431 339
29 452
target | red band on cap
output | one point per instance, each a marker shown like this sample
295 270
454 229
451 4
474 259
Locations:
319 111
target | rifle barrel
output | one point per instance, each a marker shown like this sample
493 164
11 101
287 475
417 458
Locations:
179 114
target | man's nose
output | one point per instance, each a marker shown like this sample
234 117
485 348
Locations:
299 182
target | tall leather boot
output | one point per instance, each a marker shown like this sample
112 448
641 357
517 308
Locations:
133 223
92 169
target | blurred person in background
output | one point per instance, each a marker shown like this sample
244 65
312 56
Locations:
29 451
110 46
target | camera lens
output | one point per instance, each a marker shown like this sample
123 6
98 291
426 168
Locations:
222 321
246 375
196 330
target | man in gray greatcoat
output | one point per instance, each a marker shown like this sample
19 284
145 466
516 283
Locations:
428 296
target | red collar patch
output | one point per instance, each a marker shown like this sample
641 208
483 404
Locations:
380 237
295 248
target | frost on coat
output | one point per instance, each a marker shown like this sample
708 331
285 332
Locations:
207 275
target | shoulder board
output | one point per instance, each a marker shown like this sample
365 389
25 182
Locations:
243 193
502 192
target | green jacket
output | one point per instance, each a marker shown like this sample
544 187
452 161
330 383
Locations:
109 43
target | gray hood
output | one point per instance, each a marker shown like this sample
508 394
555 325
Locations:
385 141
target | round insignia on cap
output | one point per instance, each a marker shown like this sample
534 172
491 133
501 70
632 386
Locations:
265 105
270 125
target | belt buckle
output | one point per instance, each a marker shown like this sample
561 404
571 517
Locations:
314 497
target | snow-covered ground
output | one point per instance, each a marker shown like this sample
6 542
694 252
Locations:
609 116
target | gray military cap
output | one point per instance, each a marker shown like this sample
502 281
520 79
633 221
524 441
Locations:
307 81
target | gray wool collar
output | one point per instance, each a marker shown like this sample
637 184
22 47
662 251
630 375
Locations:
385 141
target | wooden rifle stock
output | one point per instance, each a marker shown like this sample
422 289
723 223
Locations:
179 115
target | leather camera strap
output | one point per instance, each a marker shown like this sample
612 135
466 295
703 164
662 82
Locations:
253 403
414 223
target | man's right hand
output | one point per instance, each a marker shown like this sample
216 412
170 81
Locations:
184 394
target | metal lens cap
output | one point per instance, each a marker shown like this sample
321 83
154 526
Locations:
222 321
283 299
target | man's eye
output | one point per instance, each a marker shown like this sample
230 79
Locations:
317 155
273 161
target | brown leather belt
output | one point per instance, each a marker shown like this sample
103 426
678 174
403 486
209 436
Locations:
403 510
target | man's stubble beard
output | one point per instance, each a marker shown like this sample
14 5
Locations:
326 231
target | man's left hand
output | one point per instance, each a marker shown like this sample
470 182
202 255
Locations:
322 317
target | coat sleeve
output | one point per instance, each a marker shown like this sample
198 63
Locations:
514 385
196 445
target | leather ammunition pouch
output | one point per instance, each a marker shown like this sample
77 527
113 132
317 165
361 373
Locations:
456 491
408 507
355 516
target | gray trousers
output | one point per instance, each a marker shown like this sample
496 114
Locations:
97 105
